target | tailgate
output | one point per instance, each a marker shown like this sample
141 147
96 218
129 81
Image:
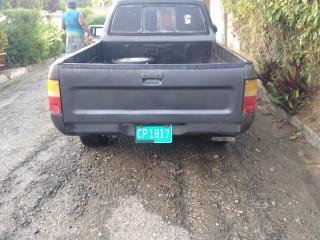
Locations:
177 94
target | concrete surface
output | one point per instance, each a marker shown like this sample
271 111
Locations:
3 78
11 74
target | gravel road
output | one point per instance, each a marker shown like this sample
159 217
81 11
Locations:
263 186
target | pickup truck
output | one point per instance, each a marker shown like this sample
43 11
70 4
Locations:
156 72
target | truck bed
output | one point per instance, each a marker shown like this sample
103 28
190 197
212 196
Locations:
104 53
101 97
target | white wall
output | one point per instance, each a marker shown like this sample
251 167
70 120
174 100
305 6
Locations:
217 12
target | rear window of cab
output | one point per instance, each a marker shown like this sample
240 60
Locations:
158 19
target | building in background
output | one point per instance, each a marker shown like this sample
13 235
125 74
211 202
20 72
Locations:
53 17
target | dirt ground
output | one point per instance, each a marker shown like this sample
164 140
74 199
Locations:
263 186
311 115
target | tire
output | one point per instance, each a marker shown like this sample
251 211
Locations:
97 140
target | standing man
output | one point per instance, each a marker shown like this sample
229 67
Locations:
75 26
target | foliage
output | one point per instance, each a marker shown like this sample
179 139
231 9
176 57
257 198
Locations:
30 4
288 28
100 3
52 37
28 37
90 17
3 38
49 5
285 30
290 88
53 5
96 19
4 5
23 36
82 3
86 12
268 72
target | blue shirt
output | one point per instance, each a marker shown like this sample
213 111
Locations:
70 19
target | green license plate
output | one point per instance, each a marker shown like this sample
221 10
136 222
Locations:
154 134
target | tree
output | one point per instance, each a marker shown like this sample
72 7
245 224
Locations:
52 5
30 4
100 3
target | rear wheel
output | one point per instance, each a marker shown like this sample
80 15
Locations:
96 140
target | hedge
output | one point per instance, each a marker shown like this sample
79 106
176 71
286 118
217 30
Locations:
281 31
288 28
30 37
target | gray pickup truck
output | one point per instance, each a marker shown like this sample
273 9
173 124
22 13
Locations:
157 72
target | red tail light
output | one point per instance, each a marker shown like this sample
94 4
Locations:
54 97
250 96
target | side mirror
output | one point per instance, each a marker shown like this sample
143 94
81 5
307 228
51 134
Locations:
215 29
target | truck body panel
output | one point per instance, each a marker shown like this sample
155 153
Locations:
191 82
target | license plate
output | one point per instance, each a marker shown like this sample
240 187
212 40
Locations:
154 134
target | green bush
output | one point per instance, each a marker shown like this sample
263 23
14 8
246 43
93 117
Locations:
290 87
30 38
3 39
283 28
52 37
92 18
25 43
3 36
286 30
30 4
86 12
98 19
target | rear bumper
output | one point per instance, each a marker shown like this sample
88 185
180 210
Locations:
128 129
246 122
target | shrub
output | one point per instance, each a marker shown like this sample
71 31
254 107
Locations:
283 30
290 87
86 12
3 39
30 38
90 17
3 36
52 37
268 72
25 44
96 19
